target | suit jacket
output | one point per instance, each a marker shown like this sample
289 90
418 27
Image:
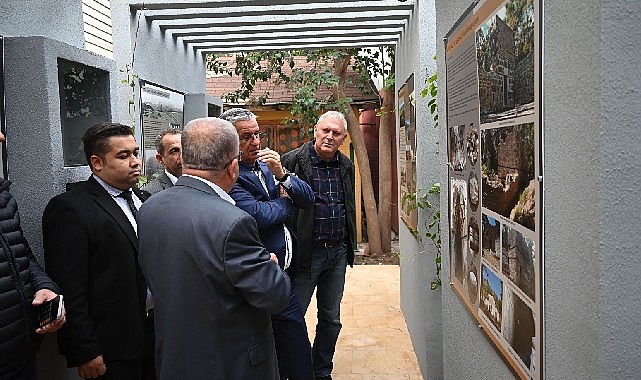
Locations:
298 161
91 251
270 210
213 284
158 184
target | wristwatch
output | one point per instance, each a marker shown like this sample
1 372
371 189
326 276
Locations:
284 177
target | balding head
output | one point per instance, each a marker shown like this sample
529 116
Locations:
209 144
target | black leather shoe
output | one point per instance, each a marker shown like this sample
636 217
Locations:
328 377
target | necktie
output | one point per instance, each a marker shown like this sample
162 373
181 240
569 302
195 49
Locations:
130 201
260 175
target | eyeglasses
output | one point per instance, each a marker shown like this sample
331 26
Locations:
258 135
240 155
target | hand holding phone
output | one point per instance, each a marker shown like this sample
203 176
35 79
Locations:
49 311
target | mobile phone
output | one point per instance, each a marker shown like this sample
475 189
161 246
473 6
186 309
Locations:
49 311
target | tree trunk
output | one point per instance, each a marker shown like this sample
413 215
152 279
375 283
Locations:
385 169
369 202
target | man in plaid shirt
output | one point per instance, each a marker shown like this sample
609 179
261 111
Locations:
326 231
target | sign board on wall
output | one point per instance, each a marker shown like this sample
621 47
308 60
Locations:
161 109
407 153
493 128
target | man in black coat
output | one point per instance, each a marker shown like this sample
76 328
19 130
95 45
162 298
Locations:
23 283
91 251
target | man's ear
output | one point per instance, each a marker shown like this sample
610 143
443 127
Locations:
232 170
96 162
159 158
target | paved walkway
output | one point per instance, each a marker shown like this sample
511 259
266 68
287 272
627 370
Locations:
374 343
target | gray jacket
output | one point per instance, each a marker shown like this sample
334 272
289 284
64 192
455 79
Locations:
214 286
160 183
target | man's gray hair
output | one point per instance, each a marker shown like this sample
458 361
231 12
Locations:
335 115
234 115
209 144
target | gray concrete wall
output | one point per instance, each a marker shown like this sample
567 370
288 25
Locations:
573 204
421 306
591 119
619 266
57 19
34 135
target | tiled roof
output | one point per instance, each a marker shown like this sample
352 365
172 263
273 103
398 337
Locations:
219 85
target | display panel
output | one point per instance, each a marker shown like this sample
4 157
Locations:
493 127
84 101
161 109
407 153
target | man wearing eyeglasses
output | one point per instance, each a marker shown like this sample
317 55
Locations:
266 191
213 281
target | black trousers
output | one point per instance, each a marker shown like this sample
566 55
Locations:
143 369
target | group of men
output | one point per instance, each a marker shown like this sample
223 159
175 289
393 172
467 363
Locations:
211 276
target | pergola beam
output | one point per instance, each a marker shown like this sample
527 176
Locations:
386 33
362 7
343 44
373 26
245 25
188 4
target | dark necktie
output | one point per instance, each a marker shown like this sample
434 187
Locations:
130 201
261 177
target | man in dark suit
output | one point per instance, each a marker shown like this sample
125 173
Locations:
213 282
169 155
327 231
267 192
91 251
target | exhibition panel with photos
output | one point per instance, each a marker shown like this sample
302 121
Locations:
407 157
493 124
161 108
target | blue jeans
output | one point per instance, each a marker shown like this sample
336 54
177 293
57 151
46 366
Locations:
328 267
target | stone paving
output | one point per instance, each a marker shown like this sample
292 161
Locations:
374 343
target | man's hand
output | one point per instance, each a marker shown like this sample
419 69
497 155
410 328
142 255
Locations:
273 257
39 298
283 191
272 159
93 368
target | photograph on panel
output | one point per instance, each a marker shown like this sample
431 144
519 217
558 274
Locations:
458 155
161 109
491 303
472 258
472 145
505 55
458 223
491 241
473 191
518 260
507 163
518 327
472 282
